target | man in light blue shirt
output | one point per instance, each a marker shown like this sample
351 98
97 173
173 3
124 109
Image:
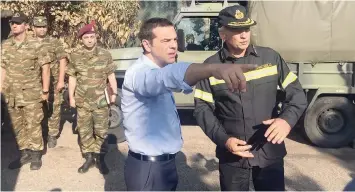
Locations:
152 124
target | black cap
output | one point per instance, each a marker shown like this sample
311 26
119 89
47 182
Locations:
19 17
235 17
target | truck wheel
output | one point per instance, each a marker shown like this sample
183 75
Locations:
330 122
116 117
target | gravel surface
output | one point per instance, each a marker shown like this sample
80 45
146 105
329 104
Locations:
306 167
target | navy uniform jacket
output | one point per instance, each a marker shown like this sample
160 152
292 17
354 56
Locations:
222 114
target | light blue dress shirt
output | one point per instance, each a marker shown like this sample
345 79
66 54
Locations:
152 124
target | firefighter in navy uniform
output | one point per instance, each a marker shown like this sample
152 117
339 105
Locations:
246 126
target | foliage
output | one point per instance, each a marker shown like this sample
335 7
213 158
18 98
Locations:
115 20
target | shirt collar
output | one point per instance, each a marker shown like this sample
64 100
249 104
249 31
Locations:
94 52
148 62
250 51
13 42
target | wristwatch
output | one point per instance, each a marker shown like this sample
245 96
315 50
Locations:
45 92
115 94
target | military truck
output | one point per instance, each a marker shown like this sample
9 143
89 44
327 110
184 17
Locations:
316 39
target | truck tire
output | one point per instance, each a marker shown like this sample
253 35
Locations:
116 117
116 127
330 122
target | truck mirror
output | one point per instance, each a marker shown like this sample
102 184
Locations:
181 40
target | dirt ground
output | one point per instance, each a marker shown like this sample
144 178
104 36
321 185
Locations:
306 167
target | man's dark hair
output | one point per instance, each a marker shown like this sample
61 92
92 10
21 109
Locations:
146 30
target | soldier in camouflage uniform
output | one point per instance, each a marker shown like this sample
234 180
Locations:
90 68
23 62
56 79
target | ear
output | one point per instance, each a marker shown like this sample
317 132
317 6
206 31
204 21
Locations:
223 35
146 45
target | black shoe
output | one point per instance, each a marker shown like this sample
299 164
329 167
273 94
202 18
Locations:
36 161
52 141
25 157
100 163
89 162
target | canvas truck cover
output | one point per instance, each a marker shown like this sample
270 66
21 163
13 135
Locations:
306 31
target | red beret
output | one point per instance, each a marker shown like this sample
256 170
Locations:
89 28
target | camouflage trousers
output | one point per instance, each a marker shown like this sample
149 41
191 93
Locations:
92 126
26 122
54 114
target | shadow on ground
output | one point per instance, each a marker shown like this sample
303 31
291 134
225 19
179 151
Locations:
9 152
345 156
301 182
114 180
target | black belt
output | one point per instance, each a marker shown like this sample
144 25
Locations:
164 157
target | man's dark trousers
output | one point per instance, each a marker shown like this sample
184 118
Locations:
270 178
141 175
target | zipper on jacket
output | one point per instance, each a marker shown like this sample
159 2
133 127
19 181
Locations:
241 103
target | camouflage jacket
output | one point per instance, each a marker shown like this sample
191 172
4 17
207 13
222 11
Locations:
57 49
91 70
23 62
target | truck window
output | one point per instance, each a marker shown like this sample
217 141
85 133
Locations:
201 33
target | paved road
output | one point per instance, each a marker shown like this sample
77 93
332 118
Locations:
307 167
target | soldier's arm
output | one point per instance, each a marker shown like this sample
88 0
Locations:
204 114
295 102
3 67
45 77
62 57
62 66
111 67
113 83
71 87
72 79
3 75
44 60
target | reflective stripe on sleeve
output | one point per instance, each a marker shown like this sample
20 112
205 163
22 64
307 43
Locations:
204 95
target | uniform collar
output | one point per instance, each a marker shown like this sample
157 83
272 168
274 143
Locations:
94 52
250 51
13 42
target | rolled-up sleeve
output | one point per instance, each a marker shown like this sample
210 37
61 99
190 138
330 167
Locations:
44 56
111 67
71 68
59 50
4 61
153 82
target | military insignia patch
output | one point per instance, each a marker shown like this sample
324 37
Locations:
239 14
